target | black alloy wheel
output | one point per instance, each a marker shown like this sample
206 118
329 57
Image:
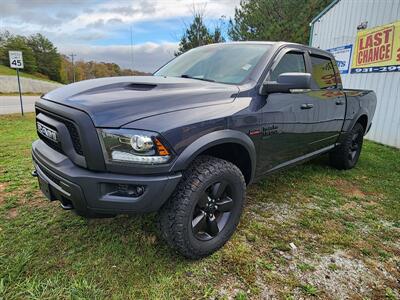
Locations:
212 211
205 209
346 155
354 148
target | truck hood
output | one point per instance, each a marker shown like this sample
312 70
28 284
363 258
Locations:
115 101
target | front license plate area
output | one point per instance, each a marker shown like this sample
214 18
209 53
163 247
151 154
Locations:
45 188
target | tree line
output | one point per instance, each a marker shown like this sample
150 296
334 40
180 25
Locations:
42 59
257 20
91 69
40 55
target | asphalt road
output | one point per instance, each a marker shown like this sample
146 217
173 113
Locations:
11 105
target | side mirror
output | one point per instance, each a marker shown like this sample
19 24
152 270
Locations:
287 82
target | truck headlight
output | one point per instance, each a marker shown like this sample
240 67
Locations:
134 146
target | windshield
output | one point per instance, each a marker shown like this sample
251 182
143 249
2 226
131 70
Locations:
225 63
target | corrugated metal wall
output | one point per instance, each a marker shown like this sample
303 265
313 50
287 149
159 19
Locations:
338 27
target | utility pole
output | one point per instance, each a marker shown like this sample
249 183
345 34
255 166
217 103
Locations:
73 66
132 48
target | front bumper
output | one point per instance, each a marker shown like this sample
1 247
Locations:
92 193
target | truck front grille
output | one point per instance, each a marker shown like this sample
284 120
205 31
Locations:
51 144
73 132
72 129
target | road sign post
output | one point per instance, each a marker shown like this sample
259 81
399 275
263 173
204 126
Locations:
17 62
20 94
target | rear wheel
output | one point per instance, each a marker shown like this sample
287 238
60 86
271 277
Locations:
205 209
346 155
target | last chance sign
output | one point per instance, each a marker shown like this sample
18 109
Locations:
16 60
377 50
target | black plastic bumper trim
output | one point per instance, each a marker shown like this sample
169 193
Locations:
83 187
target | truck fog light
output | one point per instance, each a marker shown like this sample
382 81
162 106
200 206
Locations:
128 190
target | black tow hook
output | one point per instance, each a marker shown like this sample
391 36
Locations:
34 173
66 205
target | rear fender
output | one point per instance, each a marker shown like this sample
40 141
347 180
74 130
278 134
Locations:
349 123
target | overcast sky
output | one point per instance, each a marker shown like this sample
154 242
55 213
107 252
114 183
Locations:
101 30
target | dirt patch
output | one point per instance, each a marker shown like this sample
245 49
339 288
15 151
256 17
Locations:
12 213
348 189
266 291
350 206
345 277
370 203
34 199
230 287
281 212
2 189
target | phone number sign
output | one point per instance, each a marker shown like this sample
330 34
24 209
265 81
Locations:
16 60
377 50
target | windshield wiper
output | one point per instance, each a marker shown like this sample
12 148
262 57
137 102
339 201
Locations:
198 78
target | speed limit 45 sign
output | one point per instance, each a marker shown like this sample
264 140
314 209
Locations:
17 63
16 60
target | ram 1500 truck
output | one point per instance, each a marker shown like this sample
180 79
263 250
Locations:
188 140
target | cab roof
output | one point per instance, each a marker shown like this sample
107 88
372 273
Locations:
280 44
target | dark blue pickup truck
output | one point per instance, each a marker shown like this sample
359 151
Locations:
188 140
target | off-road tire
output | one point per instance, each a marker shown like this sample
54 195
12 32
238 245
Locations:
344 157
176 216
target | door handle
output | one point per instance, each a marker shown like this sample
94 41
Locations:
306 106
339 102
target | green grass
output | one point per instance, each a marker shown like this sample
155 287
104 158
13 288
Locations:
309 289
4 70
48 253
304 267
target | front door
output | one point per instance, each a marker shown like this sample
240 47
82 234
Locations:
298 124
286 120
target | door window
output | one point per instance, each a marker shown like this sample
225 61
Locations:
290 62
323 73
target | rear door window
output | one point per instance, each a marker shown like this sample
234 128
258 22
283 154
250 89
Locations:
323 73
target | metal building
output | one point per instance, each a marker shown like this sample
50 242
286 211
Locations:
336 28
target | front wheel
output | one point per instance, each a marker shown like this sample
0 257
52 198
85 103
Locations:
346 155
205 209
